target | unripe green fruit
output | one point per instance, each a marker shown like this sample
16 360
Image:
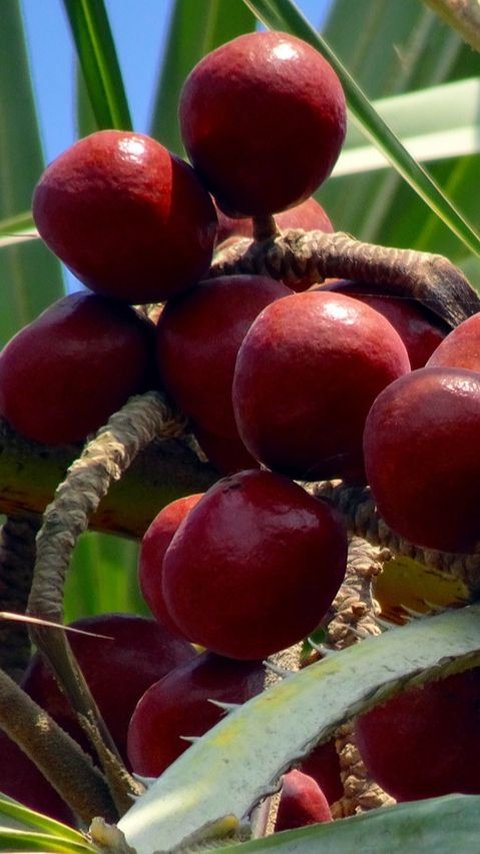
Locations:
127 217
263 121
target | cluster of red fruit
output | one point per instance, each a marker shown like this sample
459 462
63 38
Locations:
312 384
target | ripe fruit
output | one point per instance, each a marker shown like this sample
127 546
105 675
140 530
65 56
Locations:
263 121
119 210
306 375
178 706
302 802
63 375
198 338
155 543
461 348
254 566
421 457
323 764
308 215
136 653
420 331
227 454
425 742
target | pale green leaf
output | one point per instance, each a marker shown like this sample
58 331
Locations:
235 764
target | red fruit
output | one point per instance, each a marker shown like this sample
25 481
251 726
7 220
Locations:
461 348
127 217
227 454
198 338
308 215
323 764
421 457
21 779
254 566
306 375
118 670
425 742
177 706
64 374
420 331
263 120
302 802
155 543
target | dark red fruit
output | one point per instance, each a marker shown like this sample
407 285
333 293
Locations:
421 457
118 670
254 566
461 348
308 215
251 109
155 543
323 764
227 454
21 779
302 802
198 338
64 374
425 742
120 211
177 706
420 331
306 375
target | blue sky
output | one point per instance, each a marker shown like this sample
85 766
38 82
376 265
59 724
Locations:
139 30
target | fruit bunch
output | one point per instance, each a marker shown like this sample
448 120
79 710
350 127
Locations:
281 382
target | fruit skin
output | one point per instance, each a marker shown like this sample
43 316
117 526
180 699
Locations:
420 331
323 764
119 210
178 706
198 338
461 348
306 375
421 457
302 802
425 742
227 454
251 109
155 542
64 374
136 653
308 215
254 566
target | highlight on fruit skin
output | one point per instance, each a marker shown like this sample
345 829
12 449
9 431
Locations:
66 372
254 566
119 209
263 120
302 802
421 457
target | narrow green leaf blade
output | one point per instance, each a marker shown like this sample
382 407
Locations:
196 28
235 764
98 58
284 15
26 841
441 825
15 815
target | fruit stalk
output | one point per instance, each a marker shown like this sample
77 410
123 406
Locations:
431 279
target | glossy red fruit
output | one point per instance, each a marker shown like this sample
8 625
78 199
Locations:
420 331
251 109
323 764
155 542
119 669
308 215
198 338
254 566
302 802
306 375
120 211
421 457
64 374
21 779
461 348
425 742
178 706
227 454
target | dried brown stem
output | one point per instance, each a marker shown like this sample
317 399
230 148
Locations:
314 256
17 558
64 764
